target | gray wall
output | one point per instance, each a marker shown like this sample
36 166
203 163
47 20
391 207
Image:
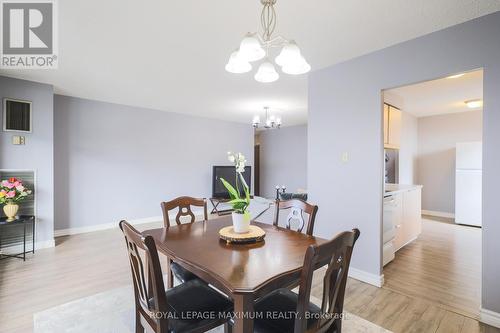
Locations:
38 152
408 151
437 139
345 116
114 161
283 159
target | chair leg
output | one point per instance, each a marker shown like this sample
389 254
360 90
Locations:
336 327
170 278
228 328
138 325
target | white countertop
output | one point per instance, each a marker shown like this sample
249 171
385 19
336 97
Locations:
391 189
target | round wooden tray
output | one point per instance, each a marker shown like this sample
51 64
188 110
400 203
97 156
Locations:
255 234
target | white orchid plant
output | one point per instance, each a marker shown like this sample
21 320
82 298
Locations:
239 201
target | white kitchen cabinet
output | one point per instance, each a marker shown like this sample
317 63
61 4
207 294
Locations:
395 118
410 225
412 213
392 127
386 124
399 238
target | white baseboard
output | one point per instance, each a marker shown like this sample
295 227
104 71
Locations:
45 244
373 279
18 248
438 214
408 242
104 226
489 317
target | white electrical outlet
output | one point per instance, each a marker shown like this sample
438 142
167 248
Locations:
18 140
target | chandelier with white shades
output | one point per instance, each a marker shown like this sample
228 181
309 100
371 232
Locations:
271 120
255 46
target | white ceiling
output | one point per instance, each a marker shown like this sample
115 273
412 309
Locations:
170 55
442 96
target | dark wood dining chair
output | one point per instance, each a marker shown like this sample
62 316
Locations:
297 209
336 254
184 206
184 209
172 310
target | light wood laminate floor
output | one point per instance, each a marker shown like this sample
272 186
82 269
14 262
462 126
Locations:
442 266
85 264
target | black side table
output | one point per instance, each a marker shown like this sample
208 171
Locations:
24 220
216 202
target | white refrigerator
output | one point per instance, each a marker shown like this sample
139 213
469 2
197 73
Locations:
468 183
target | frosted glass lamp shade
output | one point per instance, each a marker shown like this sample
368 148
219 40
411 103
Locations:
300 67
237 65
290 54
250 48
266 73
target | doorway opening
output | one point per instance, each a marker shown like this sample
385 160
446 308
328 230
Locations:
433 191
256 163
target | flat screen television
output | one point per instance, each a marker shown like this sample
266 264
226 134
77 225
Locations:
229 174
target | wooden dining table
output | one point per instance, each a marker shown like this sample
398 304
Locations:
244 272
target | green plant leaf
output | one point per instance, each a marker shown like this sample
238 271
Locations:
232 191
245 188
237 201
247 194
240 205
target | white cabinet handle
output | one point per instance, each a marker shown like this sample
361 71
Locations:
391 202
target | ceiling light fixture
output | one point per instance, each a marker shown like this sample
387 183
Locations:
237 65
455 76
474 104
266 72
255 46
272 121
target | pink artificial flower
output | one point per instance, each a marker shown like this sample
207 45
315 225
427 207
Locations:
16 183
9 185
11 194
5 182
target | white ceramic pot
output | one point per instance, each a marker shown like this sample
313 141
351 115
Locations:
241 222
10 211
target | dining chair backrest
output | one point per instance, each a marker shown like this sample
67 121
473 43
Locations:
297 209
336 254
149 290
184 205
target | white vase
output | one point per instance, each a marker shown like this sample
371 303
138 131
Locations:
10 211
241 222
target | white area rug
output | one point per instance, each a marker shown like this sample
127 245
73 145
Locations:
113 312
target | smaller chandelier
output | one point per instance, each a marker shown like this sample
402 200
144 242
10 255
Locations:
256 46
272 121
